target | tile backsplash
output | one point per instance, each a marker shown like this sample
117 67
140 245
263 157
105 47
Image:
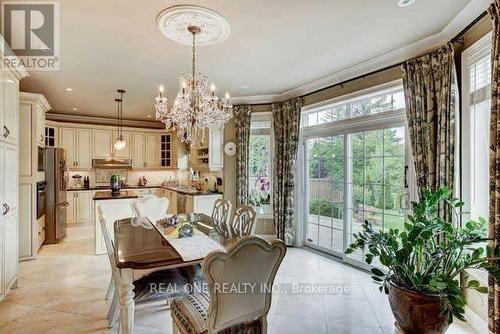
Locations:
131 177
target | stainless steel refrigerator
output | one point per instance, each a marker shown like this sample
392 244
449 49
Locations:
57 177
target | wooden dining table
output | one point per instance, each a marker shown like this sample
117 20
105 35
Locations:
140 249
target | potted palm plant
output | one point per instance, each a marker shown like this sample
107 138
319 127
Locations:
421 264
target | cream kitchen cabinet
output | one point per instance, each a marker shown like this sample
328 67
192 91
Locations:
10 88
9 176
145 150
67 141
77 143
215 149
201 203
79 210
102 147
208 153
152 150
126 152
138 154
83 144
40 127
172 200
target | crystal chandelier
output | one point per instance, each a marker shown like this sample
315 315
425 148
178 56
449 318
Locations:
196 107
120 143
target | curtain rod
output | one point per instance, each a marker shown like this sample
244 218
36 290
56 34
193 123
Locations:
457 39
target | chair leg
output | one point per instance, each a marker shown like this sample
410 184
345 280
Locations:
111 288
263 324
112 305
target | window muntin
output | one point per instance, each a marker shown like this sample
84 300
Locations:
369 104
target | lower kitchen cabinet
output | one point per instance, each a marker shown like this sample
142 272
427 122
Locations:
79 210
11 249
201 204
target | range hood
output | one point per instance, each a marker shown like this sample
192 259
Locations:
112 163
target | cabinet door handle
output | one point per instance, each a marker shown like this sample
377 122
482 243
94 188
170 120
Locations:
6 131
6 207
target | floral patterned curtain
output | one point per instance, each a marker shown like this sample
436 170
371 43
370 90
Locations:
242 120
494 216
431 101
286 121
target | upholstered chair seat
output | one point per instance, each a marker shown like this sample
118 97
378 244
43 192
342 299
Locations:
191 313
252 260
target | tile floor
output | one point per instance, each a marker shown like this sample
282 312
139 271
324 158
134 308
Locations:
63 292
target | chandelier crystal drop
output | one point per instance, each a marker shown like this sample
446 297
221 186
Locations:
196 106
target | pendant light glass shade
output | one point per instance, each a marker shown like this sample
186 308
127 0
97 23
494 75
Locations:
120 143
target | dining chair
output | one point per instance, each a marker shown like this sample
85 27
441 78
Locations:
143 293
243 221
251 260
152 207
221 216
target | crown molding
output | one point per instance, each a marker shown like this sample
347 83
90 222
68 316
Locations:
35 98
467 15
79 119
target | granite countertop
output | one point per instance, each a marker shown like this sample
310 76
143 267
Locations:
186 191
107 195
108 187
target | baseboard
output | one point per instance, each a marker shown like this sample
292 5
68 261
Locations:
476 322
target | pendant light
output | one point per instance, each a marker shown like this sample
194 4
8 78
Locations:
120 143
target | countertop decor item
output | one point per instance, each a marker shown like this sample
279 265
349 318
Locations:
196 107
115 183
423 262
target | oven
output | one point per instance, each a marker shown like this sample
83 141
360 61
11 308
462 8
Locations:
41 159
41 194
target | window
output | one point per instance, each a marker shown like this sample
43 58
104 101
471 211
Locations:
354 157
476 66
391 99
259 163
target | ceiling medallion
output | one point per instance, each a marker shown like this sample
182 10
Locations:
174 21
196 106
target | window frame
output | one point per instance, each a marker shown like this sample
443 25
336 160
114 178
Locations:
265 117
472 54
377 121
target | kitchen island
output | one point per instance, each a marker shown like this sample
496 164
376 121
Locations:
114 206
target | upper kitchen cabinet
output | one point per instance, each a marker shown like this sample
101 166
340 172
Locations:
126 152
207 154
145 150
215 152
67 141
103 144
83 145
152 149
10 97
77 143
138 154
32 109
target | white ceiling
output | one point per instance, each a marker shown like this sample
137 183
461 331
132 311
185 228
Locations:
274 46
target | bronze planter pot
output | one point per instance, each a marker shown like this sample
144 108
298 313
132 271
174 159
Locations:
416 313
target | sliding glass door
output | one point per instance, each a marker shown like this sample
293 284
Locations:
351 177
325 185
